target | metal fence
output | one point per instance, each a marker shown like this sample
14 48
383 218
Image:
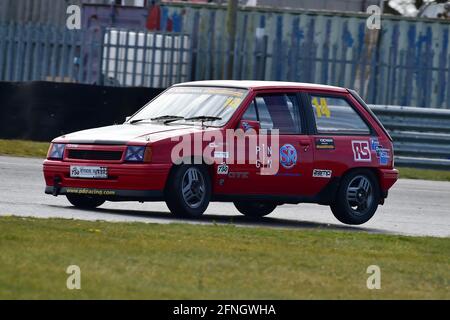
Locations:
421 136
407 62
96 56
31 53
148 59
49 12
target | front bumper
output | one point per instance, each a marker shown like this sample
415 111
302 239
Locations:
125 181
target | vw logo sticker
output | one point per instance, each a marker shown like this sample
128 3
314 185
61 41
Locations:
288 156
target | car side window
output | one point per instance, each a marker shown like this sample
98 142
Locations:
263 113
250 114
336 115
278 111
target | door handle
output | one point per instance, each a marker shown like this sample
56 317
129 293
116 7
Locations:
305 146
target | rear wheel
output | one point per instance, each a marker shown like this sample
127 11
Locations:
255 209
188 191
357 198
85 202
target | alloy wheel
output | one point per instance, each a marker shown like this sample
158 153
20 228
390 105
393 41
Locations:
193 188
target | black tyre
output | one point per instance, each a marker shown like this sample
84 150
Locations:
188 191
85 202
357 198
255 209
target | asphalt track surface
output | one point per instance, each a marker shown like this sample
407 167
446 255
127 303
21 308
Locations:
414 207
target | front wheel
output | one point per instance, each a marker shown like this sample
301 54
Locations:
357 199
85 202
255 209
188 191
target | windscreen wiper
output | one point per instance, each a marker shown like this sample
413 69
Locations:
203 118
138 120
165 119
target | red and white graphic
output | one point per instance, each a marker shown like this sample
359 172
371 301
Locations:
361 151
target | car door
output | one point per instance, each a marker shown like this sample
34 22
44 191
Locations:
342 138
290 158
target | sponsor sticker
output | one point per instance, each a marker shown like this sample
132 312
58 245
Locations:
217 144
95 192
222 169
221 155
325 143
219 91
383 156
233 102
246 126
288 156
319 173
88 172
287 174
374 144
238 175
361 151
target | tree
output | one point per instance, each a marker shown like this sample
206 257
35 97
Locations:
389 8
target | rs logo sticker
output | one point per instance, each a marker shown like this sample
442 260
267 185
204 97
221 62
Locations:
361 151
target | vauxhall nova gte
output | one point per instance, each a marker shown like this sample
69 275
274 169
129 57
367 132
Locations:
302 143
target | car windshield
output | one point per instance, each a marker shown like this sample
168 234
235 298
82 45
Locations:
189 103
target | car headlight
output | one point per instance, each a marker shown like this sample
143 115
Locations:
135 154
56 151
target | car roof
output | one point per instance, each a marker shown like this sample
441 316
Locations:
247 84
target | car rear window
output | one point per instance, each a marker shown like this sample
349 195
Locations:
336 115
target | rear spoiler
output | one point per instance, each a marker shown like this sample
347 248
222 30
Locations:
366 107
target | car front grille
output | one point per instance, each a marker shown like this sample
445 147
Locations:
95 155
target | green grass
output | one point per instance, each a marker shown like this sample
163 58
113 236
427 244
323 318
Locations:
425 174
152 261
23 148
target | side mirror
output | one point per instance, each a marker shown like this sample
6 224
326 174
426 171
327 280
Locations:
249 124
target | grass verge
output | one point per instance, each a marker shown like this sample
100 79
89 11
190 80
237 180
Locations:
23 148
424 174
152 261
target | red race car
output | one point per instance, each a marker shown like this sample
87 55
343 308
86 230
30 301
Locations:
256 144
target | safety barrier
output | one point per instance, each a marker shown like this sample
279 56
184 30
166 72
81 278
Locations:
421 135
